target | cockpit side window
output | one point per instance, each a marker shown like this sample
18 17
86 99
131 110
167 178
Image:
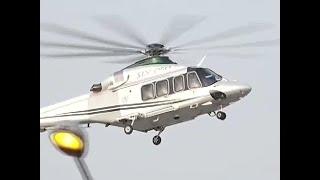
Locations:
178 83
193 80
147 92
162 88
207 76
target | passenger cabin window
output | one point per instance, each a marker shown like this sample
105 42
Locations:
147 92
193 80
178 84
162 88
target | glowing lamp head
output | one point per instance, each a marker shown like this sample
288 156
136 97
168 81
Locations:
69 142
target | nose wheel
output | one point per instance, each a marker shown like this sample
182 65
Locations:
221 115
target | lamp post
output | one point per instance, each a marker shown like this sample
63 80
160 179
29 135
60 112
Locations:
72 141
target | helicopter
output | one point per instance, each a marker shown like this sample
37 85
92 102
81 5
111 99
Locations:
153 92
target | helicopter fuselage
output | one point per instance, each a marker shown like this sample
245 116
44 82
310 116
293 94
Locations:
149 97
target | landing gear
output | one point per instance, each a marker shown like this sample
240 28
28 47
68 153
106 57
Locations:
221 115
128 129
156 140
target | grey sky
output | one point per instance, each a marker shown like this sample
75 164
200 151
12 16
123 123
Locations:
245 146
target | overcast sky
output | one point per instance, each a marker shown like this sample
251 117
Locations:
246 146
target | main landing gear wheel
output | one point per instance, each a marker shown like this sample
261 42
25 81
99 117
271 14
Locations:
221 115
156 140
128 129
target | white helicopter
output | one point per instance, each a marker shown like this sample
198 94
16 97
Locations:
152 93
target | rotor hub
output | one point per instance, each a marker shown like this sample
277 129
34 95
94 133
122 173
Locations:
156 49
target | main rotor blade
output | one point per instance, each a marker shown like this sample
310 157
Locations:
84 55
58 29
227 54
126 60
84 47
234 55
178 26
231 33
119 25
265 43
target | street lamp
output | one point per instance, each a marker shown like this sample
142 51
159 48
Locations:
72 141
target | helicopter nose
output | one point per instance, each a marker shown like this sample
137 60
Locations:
230 90
245 89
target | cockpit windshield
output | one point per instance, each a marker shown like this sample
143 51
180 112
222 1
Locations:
207 76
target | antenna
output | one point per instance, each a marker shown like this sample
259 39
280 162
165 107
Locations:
202 60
